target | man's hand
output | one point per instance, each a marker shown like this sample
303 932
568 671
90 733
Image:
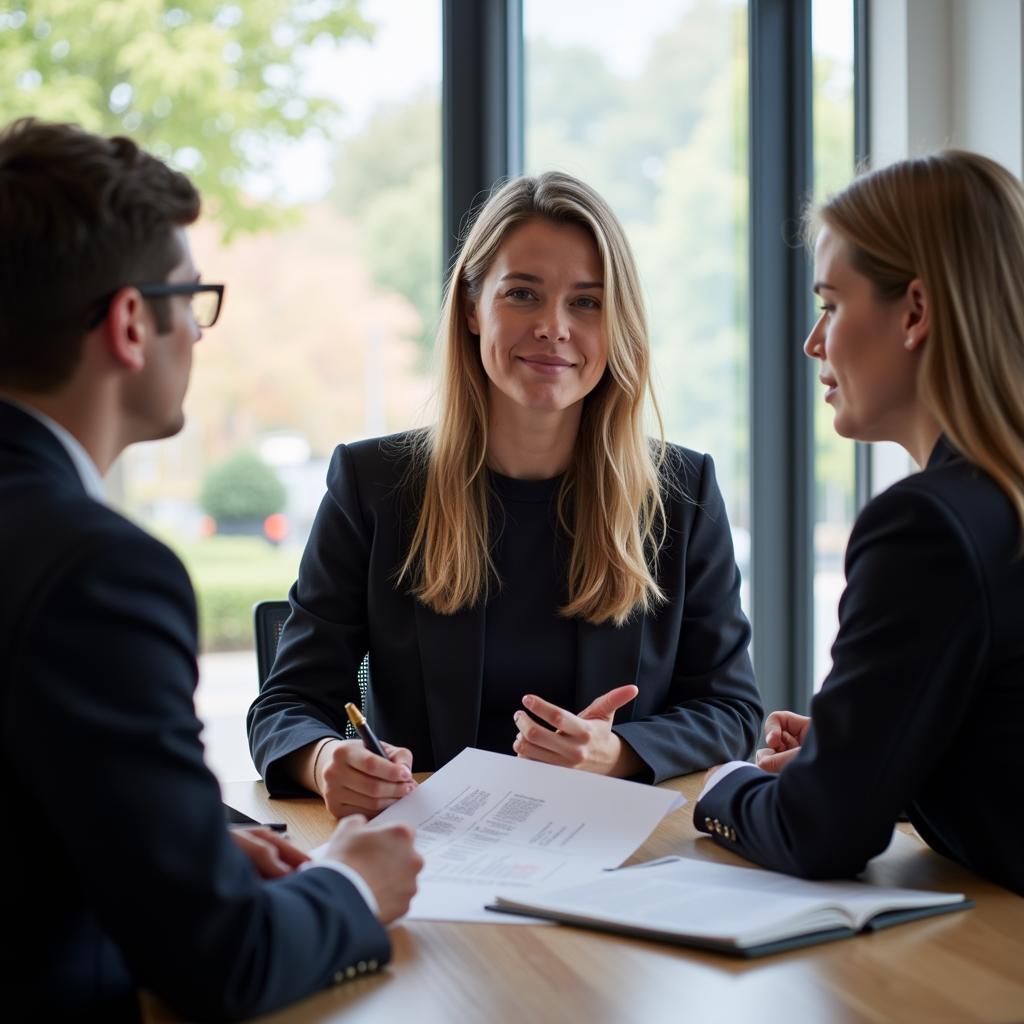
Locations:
269 853
784 732
384 857
352 780
584 741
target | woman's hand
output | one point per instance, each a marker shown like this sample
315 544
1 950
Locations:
784 732
583 741
352 780
269 853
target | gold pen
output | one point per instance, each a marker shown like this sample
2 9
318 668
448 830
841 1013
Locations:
361 726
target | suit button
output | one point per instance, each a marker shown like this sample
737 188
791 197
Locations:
339 977
350 972
708 824
361 967
718 827
373 965
733 836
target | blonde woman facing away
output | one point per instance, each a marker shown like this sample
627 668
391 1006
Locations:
534 575
920 271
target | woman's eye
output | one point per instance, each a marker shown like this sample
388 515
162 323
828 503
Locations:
519 293
586 302
826 308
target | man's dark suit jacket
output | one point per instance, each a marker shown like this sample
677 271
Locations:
698 703
924 707
117 867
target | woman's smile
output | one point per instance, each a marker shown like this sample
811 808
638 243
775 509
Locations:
548 365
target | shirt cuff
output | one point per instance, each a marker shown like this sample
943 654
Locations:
726 769
352 875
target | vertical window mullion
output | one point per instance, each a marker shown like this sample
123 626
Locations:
862 152
482 102
781 440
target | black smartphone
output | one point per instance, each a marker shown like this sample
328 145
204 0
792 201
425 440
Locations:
236 817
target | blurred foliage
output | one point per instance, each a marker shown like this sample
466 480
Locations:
230 574
211 86
388 182
242 487
216 87
667 147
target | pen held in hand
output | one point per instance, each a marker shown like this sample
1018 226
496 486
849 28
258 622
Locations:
362 727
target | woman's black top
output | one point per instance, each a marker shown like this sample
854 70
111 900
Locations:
528 646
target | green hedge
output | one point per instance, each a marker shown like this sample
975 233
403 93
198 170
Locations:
243 487
230 574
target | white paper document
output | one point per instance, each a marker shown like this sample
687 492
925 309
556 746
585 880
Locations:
487 822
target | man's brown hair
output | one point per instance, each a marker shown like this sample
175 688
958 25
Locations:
80 217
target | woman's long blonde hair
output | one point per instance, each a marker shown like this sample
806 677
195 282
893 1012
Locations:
610 502
956 221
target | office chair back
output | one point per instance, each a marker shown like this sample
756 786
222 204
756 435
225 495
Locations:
268 622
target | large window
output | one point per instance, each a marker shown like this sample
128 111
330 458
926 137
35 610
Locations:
325 336
314 128
651 109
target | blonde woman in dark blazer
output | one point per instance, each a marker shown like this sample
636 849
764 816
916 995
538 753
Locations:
920 271
534 575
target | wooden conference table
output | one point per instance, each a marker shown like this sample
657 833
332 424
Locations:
967 966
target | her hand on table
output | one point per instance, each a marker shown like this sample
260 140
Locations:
384 856
269 853
352 780
583 741
784 732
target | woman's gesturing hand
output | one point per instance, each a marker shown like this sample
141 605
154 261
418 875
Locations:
352 780
784 732
583 741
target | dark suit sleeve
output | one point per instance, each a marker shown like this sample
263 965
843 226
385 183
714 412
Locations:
324 639
713 710
912 637
108 745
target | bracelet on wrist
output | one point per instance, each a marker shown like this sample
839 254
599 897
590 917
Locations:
316 761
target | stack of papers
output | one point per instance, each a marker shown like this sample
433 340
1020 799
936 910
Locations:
490 822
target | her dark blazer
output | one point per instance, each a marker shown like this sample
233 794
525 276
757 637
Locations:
924 706
698 702
119 871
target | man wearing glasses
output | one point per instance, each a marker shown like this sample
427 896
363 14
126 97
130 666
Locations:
118 869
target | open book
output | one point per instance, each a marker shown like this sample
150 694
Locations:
744 911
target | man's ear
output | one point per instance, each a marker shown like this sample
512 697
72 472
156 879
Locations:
126 329
917 315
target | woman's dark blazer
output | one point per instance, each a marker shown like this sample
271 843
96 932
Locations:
924 706
698 703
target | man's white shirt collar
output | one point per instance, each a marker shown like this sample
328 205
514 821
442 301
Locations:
85 467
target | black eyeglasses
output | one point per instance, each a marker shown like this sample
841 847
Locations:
206 300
